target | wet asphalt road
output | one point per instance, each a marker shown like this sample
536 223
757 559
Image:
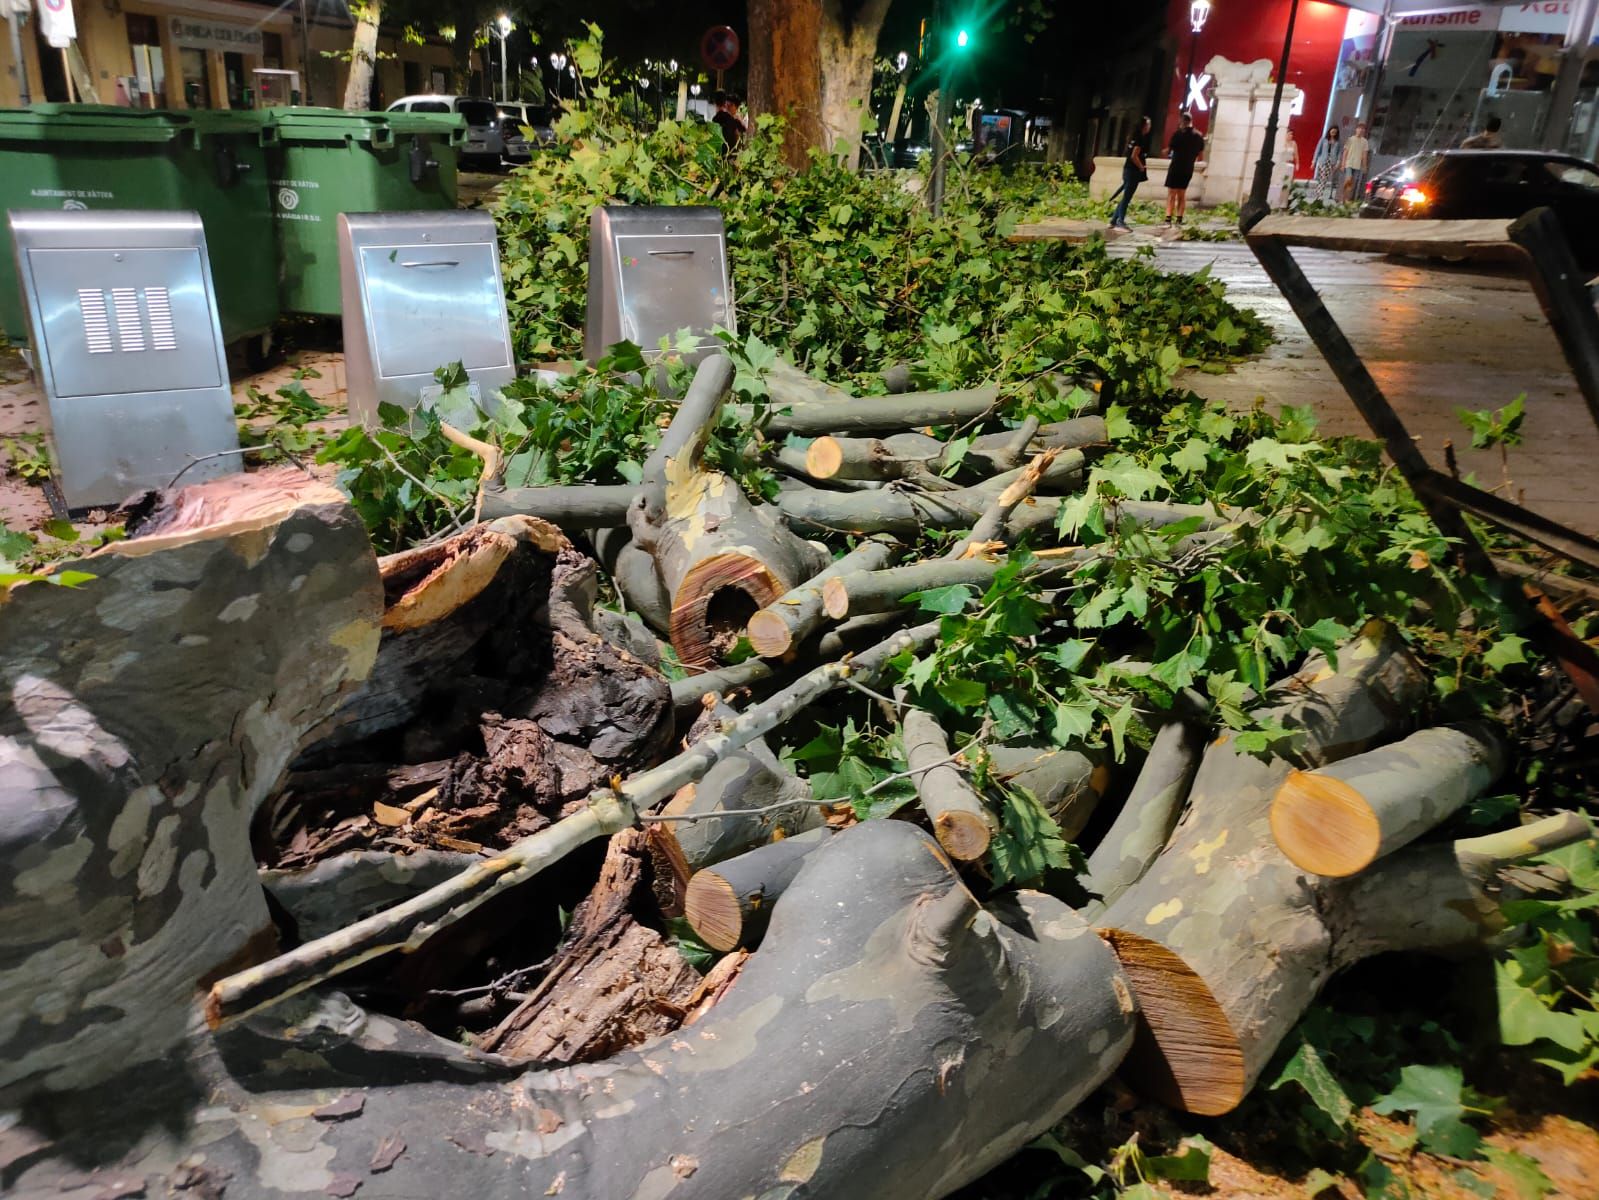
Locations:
1436 338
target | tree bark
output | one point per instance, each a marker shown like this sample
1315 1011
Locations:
785 72
793 617
1068 783
1339 819
719 557
961 822
849 33
150 710
368 16
910 455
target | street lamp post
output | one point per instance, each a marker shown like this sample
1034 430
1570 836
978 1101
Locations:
1198 14
1256 206
558 61
503 28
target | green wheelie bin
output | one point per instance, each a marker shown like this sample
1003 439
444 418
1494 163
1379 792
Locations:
326 161
103 156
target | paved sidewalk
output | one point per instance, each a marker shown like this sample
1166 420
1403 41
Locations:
1436 338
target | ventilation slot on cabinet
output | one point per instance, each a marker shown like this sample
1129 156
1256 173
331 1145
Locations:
130 327
159 307
96 325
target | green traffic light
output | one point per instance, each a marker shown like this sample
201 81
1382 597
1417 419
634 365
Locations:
962 39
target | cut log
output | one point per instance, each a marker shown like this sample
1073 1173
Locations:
728 905
1146 820
961 822
573 507
719 557
1225 940
910 455
711 820
807 406
1068 783
1339 819
862 592
907 512
149 711
775 630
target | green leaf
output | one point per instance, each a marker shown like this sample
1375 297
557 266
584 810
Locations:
1193 458
962 693
1525 1018
1524 1173
1117 425
1307 1069
63 531
1504 652
1319 1181
1192 1165
944 600
1073 722
1433 1094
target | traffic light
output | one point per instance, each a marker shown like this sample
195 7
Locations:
963 38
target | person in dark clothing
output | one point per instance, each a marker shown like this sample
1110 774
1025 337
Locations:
1135 169
1186 146
726 118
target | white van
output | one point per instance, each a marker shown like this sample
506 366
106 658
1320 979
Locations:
485 144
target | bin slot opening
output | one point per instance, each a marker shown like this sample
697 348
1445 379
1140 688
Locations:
437 262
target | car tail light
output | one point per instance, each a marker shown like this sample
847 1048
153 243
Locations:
1414 197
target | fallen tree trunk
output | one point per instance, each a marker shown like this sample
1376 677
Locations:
791 618
149 711
1224 939
408 925
804 405
1339 819
728 905
1068 783
720 558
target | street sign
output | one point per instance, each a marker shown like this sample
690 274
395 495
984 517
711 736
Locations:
719 48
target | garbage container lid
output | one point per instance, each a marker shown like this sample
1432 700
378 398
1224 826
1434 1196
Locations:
338 125
114 123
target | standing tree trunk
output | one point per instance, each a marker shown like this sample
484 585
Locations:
363 54
849 46
785 71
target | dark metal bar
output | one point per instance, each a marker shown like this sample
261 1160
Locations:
1368 398
1562 290
1551 535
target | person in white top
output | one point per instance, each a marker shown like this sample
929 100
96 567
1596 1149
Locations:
1357 160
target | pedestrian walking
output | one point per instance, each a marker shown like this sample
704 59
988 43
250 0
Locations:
726 119
1135 169
1357 161
1488 139
1327 163
1187 144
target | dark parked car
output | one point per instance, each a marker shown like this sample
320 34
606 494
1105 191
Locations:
1456 184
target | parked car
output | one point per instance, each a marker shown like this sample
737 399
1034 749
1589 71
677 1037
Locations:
1457 184
517 120
485 143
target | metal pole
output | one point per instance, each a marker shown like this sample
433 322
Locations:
1256 206
1188 79
505 87
1563 96
14 21
305 57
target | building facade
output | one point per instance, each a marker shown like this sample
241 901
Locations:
206 54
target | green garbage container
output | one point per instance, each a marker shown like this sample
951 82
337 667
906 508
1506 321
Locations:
103 156
326 161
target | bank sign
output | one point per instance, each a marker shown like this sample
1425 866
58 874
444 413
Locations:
222 36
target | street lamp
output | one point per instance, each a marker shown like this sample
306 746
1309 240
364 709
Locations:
503 27
1257 206
1198 14
558 61
901 61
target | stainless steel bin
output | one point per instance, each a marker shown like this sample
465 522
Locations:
655 270
421 289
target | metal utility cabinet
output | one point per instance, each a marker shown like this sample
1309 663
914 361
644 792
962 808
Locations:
128 347
420 290
654 270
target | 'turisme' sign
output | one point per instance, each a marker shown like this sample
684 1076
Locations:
223 36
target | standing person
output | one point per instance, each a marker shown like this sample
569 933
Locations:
1488 139
1326 164
1186 146
1357 160
1135 169
726 119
